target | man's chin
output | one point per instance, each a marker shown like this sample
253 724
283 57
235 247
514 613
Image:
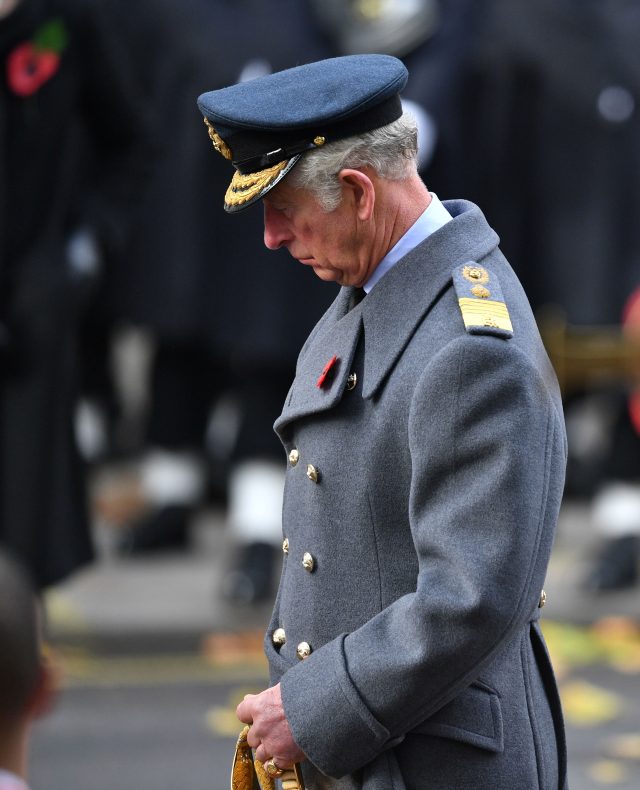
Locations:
327 275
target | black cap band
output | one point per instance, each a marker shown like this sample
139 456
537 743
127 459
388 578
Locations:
286 144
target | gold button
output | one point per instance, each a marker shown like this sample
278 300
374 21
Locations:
543 599
312 473
294 457
352 380
308 563
319 140
303 650
279 637
285 546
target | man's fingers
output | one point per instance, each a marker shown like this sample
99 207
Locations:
252 739
265 714
262 754
244 711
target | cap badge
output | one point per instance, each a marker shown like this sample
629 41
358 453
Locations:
218 143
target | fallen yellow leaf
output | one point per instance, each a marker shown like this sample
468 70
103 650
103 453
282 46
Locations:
608 772
586 705
625 746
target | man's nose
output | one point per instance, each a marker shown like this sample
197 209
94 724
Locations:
275 228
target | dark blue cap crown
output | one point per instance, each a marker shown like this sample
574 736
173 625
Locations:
265 125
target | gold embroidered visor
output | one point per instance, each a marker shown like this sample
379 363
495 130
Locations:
246 188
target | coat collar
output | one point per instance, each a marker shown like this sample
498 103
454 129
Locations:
399 302
388 316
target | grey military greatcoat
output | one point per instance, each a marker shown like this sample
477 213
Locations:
425 475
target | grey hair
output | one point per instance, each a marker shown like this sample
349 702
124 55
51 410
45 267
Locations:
391 151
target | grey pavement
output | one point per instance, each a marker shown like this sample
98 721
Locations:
173 595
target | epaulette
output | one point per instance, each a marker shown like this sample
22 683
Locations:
481 303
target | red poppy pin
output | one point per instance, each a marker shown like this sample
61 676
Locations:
34 62
326 371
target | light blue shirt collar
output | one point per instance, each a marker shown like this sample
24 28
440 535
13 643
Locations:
432 218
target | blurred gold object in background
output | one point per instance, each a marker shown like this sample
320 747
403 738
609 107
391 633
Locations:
586 357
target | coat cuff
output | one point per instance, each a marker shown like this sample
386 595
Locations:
328 718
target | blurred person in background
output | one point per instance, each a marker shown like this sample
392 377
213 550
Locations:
226 324
73 148
211 348
26 680
616 505
553 99
437 41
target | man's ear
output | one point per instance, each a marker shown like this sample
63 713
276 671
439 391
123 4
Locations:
362 190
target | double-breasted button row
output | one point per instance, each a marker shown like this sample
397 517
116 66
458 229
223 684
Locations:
312 471
279 638
308 560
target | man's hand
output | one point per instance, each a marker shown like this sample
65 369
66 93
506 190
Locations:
270 734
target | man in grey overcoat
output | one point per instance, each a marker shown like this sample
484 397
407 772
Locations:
426 451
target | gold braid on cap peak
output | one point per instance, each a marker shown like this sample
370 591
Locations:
243 187
218 143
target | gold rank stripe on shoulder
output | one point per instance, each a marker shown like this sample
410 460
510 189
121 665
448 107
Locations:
485 312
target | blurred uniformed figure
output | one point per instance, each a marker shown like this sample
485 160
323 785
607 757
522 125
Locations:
73 156
554 159
616 506
217 350
554 98
437 40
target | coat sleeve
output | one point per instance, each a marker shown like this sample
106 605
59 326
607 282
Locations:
488 455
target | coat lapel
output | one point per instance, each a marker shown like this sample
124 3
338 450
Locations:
389 315
336 335
403 297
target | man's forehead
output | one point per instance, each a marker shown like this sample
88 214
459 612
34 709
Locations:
286 192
